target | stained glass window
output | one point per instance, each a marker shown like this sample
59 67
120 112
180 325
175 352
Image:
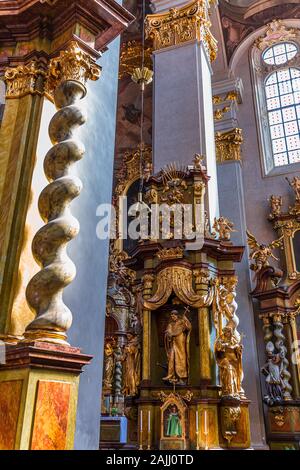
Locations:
282 90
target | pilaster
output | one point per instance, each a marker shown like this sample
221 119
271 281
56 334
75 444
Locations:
183 116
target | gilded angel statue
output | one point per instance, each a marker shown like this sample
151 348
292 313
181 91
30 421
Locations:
224 227
261 253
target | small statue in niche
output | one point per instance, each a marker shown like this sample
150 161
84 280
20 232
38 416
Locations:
224 228
276 205
261 253
228 353
131 360
174 427
273 372
177 340
109 364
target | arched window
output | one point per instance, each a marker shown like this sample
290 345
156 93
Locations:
277 80
282 89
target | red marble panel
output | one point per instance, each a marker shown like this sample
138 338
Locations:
51 416
10 398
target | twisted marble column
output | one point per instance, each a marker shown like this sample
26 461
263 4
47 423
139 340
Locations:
268 333
279 343
118 372
67 77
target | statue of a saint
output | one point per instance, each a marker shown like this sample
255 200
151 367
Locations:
109 365
228 353
174 428
177 340
273 372
131 360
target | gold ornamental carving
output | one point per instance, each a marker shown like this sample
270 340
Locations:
224 228
130 169
261 253
131 57
276 32
24 80
73 64
181 25
170 253
228 145
179 280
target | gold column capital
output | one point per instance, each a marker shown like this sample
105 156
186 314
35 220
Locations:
180 25
228 145
71 64
24 80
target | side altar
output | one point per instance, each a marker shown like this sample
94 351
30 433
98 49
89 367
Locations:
182 371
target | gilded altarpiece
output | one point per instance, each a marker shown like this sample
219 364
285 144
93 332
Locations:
191 351
277 289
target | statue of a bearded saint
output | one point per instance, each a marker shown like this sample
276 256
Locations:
177 340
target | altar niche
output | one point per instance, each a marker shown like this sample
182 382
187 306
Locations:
175 346
174 421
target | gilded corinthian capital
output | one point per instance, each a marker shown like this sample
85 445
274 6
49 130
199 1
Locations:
181 25
23 80
72 64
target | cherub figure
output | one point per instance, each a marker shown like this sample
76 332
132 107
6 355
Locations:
224 228
261 253
198 162
276 205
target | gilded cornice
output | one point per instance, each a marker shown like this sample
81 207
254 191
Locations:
48 26
228 145
181 25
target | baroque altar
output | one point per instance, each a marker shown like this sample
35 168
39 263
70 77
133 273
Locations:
186 347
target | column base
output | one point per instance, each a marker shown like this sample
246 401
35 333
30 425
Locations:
38 396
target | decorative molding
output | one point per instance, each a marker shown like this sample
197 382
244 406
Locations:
276 32
131 57
24 80
130 169
228 145
171 253
181 25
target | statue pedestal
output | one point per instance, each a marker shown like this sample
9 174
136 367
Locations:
38 396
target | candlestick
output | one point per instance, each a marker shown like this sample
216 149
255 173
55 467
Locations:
197 430
141 430
149 429
205 429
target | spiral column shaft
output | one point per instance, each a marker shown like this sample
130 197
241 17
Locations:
66 80
279 343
